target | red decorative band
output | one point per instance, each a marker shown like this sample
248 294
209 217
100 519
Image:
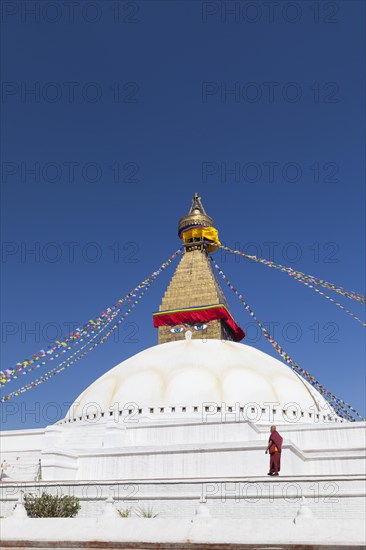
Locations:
198 315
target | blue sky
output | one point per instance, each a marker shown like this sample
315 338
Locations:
116 113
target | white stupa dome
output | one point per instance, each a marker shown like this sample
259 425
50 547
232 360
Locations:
186 376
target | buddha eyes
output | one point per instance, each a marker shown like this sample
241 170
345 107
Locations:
176 330
200 327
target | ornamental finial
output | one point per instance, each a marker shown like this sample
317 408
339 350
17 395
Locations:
196 228
196 205
196 216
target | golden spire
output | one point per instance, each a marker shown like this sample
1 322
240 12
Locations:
196 217
196 228
194 299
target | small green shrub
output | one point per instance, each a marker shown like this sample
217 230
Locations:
124 512
51 506
143 512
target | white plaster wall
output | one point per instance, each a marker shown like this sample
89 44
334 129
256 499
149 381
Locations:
15 441
330 436
337 497
185 532
21 450
179 448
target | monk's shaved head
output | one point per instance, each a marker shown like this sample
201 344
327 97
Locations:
273 429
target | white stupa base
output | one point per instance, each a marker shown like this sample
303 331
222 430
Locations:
182 533
168 449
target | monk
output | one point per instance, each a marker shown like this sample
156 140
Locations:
274 448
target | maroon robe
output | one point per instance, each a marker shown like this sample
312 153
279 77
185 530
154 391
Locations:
275 448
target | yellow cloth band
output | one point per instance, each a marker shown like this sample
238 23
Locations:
209 233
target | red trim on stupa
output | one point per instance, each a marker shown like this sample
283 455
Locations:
198 315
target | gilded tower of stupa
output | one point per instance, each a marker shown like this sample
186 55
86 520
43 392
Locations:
194 301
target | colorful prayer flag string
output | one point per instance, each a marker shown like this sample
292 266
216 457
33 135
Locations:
89 339
80 334
73 339
307 283
333 301
57 369
342 408
68 362
298 275
13 374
